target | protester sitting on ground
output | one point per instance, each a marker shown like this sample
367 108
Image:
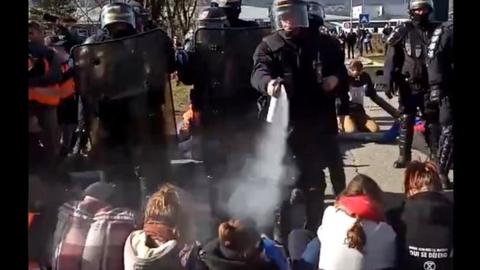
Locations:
239 246
164 242
424 223
91 233
353 234
361 85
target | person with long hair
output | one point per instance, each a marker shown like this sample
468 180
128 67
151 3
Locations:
164 242
424 223
353 234
240 246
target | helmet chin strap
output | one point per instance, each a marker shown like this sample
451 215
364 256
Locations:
420 19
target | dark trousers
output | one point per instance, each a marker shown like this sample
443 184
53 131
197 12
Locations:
67 114
410 102
446 145
48 137
130 146
351 51
368 47
224 150
311 153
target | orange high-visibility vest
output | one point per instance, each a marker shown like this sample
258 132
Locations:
36 94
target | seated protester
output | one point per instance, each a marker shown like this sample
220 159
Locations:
424 223
240 247
91 233
353 234
163 243
361 85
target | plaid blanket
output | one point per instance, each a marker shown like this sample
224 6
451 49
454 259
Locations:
90 235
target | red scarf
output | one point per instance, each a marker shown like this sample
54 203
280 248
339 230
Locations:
360 206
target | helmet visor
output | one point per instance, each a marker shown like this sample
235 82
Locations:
291 16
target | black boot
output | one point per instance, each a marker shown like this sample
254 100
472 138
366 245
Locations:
281 226
405 141
433 138
314 209
214 202
337 177
445 155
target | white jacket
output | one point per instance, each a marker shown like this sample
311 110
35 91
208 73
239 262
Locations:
379 250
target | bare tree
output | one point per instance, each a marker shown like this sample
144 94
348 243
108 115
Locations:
176 15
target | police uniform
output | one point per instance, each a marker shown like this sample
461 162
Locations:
440 71
222 98
302 62
316 15
118 128
405 66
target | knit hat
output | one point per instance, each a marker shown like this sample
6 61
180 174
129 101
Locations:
101 191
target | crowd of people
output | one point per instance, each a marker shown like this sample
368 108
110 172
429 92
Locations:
90 110
357 232
360 40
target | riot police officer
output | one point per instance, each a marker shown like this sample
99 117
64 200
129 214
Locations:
219 66
141 16
316 15
405 66
125 122
117 20
310 76
440 75
232 9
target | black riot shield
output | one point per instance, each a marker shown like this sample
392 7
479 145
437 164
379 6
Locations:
128 81
128 67
225 59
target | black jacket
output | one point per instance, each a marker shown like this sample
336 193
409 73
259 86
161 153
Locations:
363 79
406 55
216 259
297 62
424 227
38 75
351 38
440 59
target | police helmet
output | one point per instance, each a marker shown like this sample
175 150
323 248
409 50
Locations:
316 9
232 8
116 13
295 11
229 3
417 4
141 14
138 9
212 17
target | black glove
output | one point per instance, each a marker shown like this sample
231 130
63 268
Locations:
81 143
297 196
434 96
388 89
